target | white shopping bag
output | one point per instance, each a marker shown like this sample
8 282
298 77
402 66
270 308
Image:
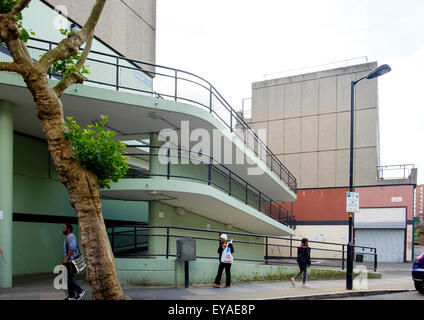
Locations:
226 256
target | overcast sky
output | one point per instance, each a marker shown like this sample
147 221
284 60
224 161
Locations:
233 43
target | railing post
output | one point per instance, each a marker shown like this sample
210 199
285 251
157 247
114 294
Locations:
167 242
266 250
259 208
117 73
343 257
210 171
271 164
135 237
176 81
168 153
291 245
229 183
231 120
247 192
375 259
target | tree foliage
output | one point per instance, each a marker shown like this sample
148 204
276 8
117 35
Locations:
97 151
68 66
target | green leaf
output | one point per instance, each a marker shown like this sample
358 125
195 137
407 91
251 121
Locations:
24 35
97 151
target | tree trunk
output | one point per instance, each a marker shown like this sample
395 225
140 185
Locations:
83 189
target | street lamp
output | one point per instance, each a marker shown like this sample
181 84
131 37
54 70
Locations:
379 71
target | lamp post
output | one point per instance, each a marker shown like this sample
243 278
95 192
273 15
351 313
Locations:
379 71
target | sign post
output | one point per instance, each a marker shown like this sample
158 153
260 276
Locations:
352 202
352 206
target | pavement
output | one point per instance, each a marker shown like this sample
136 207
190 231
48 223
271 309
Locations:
396 278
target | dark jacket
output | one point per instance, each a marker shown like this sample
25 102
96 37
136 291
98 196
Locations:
220 250
304 255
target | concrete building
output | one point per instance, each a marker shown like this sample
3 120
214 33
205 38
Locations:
306 118
159 200
135 38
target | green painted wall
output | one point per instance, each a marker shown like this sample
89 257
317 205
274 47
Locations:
36 190
37 247
170 272
197 170
146 272
205 248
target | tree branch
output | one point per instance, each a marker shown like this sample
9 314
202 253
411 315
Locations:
70 46
21 5
74 77
19 52
12 67
86 51
9 34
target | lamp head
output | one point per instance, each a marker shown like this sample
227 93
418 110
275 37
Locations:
379 71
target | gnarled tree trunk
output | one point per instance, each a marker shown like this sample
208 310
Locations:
82 185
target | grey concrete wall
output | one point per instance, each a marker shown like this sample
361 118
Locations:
128 26
307 118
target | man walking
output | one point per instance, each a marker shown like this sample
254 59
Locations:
71 252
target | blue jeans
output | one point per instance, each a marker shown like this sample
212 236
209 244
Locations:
72 285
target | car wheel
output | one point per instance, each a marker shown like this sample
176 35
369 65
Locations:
419 285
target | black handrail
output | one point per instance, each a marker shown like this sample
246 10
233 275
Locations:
230 177
266 243
234 123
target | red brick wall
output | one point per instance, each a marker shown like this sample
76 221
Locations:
330 204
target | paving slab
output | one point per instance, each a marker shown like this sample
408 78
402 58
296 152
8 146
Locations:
41 288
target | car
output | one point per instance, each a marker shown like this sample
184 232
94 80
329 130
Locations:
418 273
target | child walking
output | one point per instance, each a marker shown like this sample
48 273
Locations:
304 261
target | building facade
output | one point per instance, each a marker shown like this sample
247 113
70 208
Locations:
306 119
127 26
187 190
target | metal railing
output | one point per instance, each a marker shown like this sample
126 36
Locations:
169 162
124 74
160 241
402 171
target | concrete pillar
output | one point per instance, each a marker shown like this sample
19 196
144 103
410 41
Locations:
156 167
6 193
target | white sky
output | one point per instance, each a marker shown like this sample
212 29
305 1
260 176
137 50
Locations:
233 43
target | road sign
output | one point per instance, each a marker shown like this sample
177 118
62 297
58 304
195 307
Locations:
352 202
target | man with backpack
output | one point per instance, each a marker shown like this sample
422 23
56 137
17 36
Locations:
225 251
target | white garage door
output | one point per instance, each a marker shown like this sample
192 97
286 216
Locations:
389 243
